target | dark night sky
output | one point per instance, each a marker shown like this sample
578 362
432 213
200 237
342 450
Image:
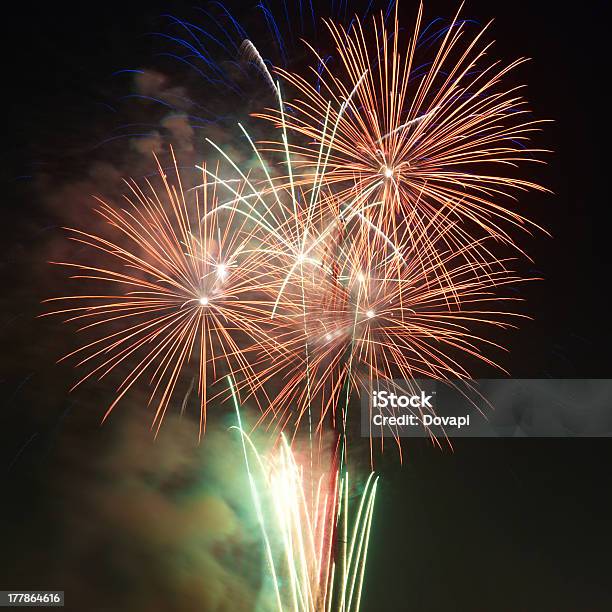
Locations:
496 524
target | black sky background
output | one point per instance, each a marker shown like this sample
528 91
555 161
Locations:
493 525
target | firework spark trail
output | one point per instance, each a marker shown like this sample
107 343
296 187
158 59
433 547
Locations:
299 532
420 141
249 51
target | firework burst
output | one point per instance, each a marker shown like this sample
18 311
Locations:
419 138
180 279
378 314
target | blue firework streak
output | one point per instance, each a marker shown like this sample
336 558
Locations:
207 46
203 53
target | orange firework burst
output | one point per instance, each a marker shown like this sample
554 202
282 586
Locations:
182 277
419 139
372 311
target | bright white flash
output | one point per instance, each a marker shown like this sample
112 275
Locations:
204 301
370 314
388 172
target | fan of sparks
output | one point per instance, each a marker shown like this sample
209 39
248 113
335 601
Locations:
315 540
362 251
420 126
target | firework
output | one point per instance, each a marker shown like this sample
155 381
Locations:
315 559
179 279
359 245
378 318
420 136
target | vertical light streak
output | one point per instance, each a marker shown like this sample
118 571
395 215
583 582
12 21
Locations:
299 533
